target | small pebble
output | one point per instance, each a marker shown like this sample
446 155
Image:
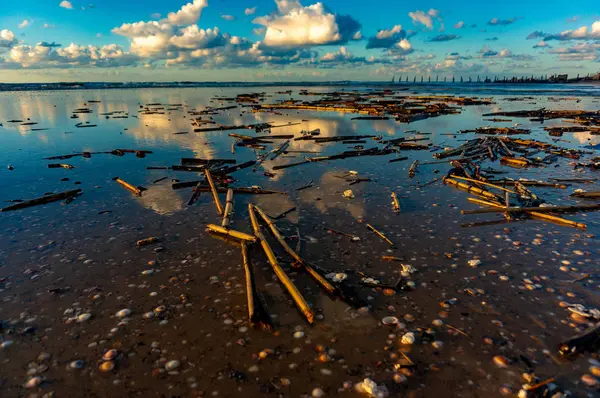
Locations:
171 365
84 317
76 364
589 381
501 362
33 382
317 393
298 335
123 313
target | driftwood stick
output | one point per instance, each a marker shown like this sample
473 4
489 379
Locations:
320 279
213 189
285 280
395 202
43 200
381 235
230 232
136 191
228 208
257 312
537 209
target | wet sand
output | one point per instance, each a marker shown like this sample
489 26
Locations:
59 261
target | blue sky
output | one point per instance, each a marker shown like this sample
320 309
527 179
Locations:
287 40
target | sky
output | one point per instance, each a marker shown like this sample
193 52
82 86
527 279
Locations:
292 40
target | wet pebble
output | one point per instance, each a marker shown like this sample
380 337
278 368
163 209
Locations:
171 365
589 381
84 317
123 313
6 344
33 382
78 364
501 361
299 334
317 393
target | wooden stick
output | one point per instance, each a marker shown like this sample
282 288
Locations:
320 279
484 183
541 384
471 189
230 232
43 200
285 280
457 330
126 185
213 189
395 202
382 236
257 312
536 214
538 209
228 208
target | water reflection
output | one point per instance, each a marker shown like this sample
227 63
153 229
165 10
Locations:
162 199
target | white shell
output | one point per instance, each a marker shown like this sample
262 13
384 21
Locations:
110 355
389 320
408 338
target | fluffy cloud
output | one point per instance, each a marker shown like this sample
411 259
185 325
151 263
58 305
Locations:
541 44
188 14
457 66
582 33
7 39
578 52
295 26
66 4
43 55
502 22
425 19
386 38
459 25
24 24
228 17
250 11
444 37
504 53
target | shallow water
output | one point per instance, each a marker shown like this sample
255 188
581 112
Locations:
92 259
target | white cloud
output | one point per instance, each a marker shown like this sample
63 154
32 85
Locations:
404 45
43 55
387 38
7 39
582 33
459 25
188 14
66 4
357 36
228 17
579 52
49 26
426 19
24 24
297 26
250 11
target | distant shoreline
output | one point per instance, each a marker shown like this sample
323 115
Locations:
7 87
